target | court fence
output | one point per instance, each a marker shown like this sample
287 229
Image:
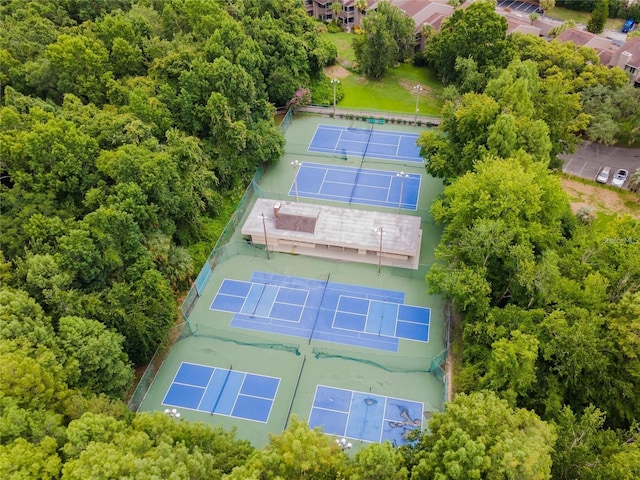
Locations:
379 116
177 332
286 121
438 363
220 248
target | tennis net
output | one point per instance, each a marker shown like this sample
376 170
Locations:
364 154
238 338
224 384
315 321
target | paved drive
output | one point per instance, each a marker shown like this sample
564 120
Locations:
588 159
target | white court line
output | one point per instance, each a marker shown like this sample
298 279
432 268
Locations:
188 385
227 294
237 394
253 396
384 418
207 387
366 317
349 412
389 188
339 140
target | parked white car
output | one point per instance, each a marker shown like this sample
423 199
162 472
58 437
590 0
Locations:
603 175
619 178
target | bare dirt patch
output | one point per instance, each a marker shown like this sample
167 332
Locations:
600 198
336 71
407 85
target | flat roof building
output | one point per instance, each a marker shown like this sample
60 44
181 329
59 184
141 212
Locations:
337 233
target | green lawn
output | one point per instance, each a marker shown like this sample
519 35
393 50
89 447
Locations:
394 92
582 17
343 42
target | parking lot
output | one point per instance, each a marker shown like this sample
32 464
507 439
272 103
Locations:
524 7
587 161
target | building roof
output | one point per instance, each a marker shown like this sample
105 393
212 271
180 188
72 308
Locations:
579 37
628 55
320 226
631 46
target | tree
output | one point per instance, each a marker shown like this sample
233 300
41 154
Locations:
497 221
336 8
585 449
361 5
97 354
480 436
23 320
21 459
511 369
378 461
455 147
374 50
387 39
298 452
77 65
634 180
476 32
598 17
547 5
142 311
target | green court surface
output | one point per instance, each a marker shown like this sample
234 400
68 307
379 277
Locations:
300 364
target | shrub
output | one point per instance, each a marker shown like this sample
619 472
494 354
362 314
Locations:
586 214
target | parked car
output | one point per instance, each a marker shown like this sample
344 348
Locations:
619 178
603 175
628 26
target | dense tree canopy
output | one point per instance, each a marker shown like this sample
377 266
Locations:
387 38
480 436
125 126
121 129
476 32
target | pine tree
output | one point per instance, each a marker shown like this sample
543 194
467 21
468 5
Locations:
598 17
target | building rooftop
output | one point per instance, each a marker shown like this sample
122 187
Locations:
334 232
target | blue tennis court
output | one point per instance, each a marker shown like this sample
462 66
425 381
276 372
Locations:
322 310
367 143
357 185
221 391
364 416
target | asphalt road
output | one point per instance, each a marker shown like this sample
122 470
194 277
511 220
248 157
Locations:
590 157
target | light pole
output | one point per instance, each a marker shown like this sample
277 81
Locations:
173 413
380 232
402 176
343 444
264 228
418 88
295 164
334 81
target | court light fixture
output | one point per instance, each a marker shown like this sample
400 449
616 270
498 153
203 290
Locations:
402 176
380 231
295 164
335 82
173 413
264 228
343 444
418 89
